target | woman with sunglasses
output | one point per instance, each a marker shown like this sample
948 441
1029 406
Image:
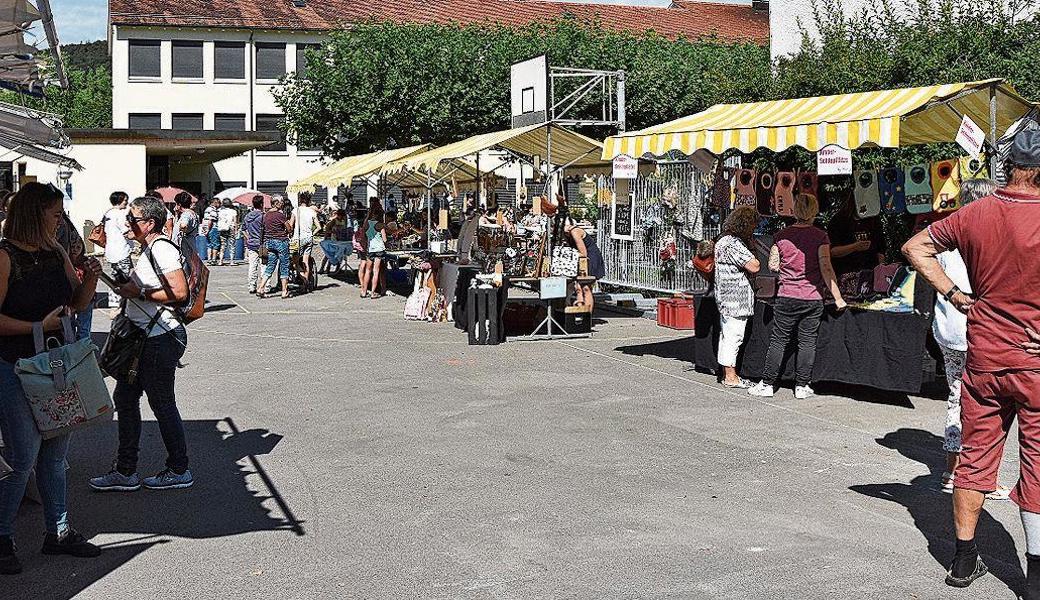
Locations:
156 282
38 284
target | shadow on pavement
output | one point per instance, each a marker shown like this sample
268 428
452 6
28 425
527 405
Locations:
932 510
681 349
220 504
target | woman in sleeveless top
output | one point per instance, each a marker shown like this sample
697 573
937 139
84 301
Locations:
37 284
375 234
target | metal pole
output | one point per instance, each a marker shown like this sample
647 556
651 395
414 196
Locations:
993 127
479 183
429 209
621 101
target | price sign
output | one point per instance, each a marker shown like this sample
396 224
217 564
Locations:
625 167
622 217
553 287
834 160
970 137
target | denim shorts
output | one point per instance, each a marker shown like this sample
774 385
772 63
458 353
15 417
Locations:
279 254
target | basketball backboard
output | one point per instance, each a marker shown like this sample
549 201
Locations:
529 85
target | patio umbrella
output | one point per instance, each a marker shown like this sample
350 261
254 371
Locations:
169 193
243 196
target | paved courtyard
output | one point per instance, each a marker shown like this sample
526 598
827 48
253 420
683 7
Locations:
343 452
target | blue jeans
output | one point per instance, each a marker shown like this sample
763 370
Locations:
156 375
279 254
23 448
213 238
84 321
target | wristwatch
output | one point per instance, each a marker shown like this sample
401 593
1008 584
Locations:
143 294
949 295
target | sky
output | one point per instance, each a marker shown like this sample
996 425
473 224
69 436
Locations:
85 20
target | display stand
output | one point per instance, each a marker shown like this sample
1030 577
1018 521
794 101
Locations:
550 290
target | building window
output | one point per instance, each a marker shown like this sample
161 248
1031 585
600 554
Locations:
187 60
145 121
229 122
301 58
272 187
187 121
270 61
145 59
272 123
229 60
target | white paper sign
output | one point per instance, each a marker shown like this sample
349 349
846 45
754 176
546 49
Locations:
834 160
625 167
970 137
553 287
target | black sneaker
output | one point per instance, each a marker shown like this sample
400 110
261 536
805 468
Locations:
9 563
963 582
72 544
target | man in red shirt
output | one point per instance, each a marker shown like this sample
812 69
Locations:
999 239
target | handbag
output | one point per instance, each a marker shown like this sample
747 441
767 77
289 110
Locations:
883 275
63 384
97 234
123 347
564 262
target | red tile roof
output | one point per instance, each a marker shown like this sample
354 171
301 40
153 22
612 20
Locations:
685 18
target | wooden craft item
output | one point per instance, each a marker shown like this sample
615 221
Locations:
764 189
808 183
892 182
866 194
973 168
946 186
783 198
918 190
744 194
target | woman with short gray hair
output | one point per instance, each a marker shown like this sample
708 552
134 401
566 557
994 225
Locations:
157 282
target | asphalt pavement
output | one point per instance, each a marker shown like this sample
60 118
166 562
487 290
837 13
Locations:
343 452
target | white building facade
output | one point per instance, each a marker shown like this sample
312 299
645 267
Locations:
210 79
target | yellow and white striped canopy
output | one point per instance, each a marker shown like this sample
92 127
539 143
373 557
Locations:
455 171
343 171
887 118
567 146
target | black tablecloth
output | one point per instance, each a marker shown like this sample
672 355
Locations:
861 347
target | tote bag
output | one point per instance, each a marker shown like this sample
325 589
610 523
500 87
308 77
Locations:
63 384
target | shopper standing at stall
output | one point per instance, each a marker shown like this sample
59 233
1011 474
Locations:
375 233
227 225
735 265
252 228
801 254
210 230
999 239
275 237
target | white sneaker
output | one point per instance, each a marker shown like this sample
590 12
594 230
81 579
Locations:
762 390
803 391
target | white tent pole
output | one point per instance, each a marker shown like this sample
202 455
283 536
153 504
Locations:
993 126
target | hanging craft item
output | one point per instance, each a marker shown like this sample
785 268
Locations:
764 184
946 186
918 190
670 198
892 181
745 191
973 168
867 194
808 183
783 198
722 191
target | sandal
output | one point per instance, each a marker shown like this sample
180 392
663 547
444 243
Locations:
741 384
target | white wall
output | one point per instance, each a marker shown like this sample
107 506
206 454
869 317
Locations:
209 96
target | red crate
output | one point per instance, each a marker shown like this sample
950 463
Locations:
664 311
675 313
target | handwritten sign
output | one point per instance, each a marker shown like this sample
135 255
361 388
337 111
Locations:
970 137
622 217
834 160
625 167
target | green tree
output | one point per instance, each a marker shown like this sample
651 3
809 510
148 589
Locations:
86 103
382 84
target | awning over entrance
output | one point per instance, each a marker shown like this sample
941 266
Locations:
567 148
182 147
343 171
886 118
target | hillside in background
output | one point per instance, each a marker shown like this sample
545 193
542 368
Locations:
87 55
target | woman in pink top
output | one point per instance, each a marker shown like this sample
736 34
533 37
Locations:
801 254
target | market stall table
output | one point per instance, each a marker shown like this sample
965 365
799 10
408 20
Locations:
882 350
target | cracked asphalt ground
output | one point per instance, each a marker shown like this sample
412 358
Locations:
343 452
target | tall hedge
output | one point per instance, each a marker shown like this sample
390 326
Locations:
383 84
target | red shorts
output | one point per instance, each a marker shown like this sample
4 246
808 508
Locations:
989 404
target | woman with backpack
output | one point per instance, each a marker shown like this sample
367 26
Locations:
38 284
157 282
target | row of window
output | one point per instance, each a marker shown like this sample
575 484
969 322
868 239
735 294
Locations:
229 59
221 122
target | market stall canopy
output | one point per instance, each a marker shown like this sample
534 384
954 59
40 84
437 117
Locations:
343 171
887 119
455 170
568 148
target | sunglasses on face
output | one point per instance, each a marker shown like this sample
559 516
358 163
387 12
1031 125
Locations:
132 219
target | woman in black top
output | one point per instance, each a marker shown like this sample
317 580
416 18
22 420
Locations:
37 284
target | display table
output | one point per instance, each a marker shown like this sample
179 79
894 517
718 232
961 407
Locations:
860 347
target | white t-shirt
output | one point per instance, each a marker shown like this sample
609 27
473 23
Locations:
117 247
304 229
168 259
950 326
226 219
